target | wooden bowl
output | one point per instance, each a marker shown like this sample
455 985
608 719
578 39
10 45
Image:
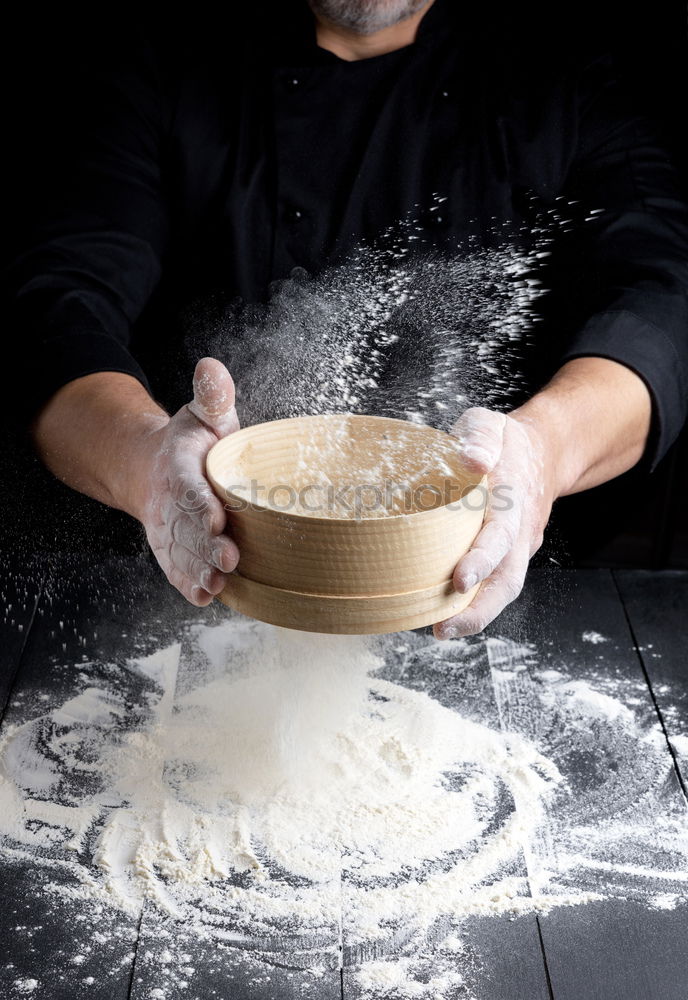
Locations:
347 524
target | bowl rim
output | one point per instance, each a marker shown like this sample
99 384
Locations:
311 518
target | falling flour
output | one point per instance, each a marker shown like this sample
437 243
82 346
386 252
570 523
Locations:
398 329
251 783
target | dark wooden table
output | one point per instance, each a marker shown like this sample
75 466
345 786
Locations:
613 950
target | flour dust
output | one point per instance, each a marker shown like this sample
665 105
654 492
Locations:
418 336
257 792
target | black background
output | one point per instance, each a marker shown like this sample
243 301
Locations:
637 520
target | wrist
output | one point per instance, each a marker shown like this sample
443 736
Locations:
550 433
138 448
97 434
593 418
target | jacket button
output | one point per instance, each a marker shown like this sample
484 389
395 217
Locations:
293 214
292 83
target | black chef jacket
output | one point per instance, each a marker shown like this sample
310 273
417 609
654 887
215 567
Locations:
189 163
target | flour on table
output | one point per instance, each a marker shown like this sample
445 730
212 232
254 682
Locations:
25 987
594 637
252 782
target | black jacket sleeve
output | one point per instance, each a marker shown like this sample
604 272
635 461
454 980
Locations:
93 230
636 248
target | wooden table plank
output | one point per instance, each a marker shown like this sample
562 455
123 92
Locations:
56 950
616 949
177 964
609 949
56 947
499 958
657 607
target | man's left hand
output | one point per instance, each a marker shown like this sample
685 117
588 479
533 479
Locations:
520 493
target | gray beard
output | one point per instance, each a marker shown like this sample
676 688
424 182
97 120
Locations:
366 16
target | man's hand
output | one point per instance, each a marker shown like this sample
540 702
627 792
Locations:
183 518
520 494
102 434
588 425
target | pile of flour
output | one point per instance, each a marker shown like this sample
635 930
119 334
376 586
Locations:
252 783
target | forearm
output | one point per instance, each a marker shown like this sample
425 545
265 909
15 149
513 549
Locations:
593 418
89 435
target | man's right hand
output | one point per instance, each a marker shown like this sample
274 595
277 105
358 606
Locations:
183 518
103 435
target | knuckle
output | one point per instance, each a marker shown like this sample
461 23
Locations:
472 421
511 587
178 579
508 530
202 546
483 563
196 567
187 532
477 414
474 623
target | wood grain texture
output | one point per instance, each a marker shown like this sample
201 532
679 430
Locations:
344 615
657 607
601 951
70 627
501 958
387 547
613 950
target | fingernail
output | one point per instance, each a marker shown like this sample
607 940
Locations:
226 561
197 592
467 582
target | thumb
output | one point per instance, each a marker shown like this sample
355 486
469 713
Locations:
480 433
214 395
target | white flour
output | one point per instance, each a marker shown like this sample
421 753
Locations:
594 637
399 329
339 472
254 782
25 986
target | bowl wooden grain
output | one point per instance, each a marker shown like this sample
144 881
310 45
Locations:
346 523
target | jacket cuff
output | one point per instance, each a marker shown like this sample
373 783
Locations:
63 358
622 336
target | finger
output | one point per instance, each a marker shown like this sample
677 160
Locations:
161 547
196 569
219 551
193 495
494 541
480 433
187 588
214 397
500 589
